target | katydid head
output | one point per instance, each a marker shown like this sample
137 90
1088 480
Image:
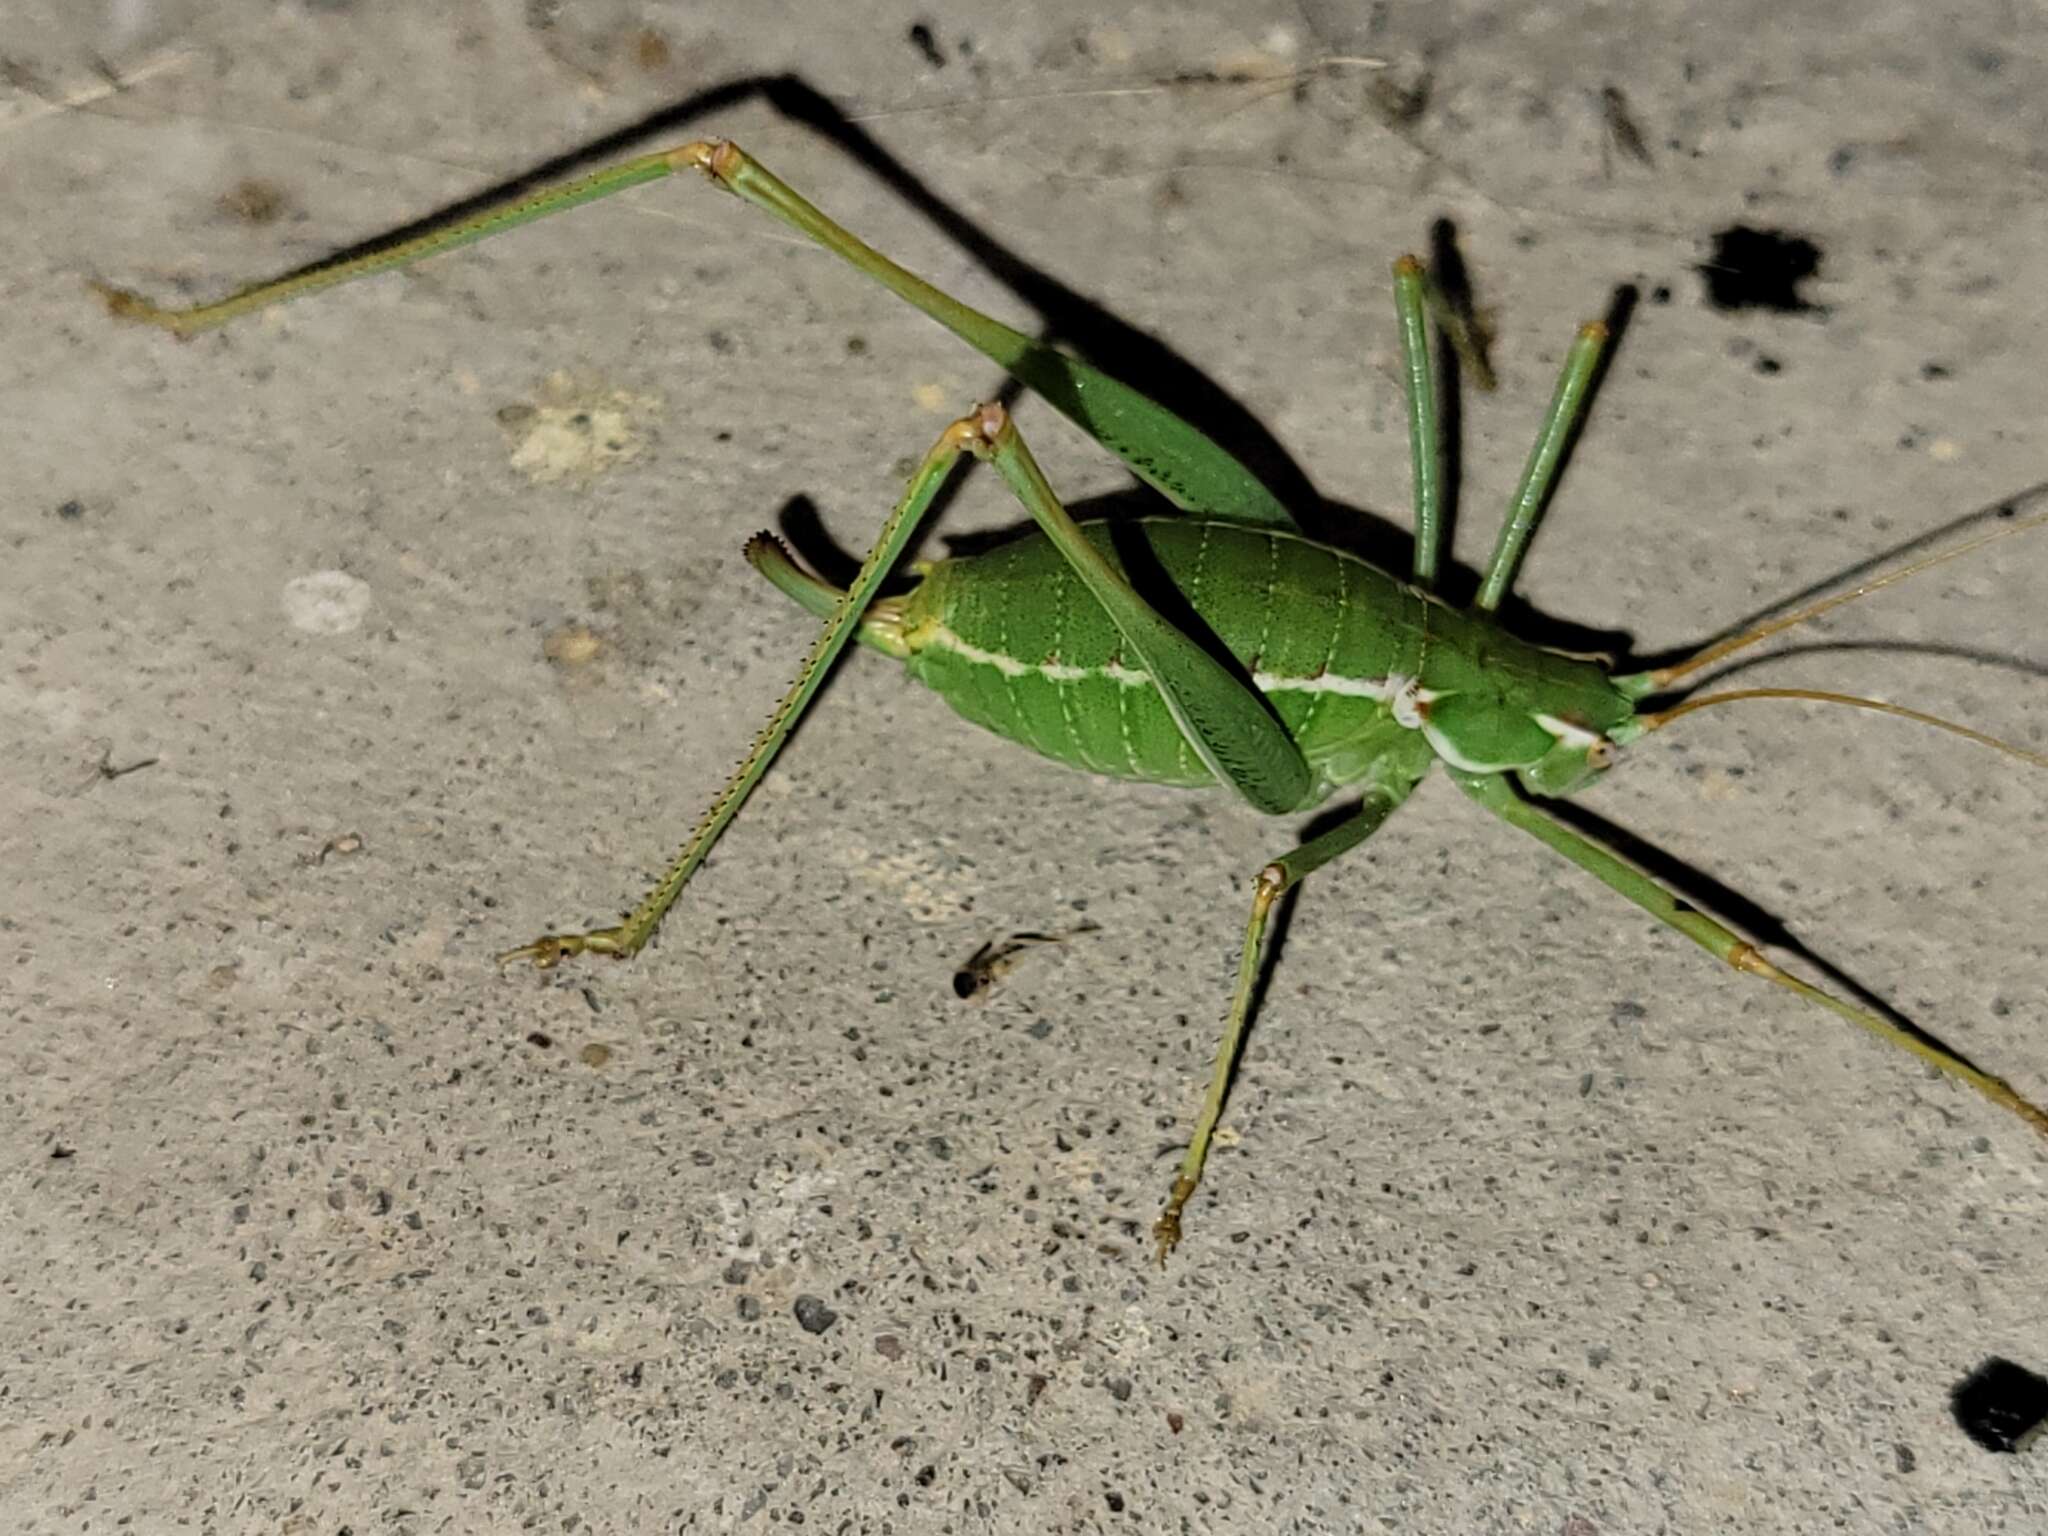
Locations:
1497 705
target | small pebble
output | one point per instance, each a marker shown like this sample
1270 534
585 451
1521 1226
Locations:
812 1315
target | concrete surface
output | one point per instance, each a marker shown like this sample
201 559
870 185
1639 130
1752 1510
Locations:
1534 1220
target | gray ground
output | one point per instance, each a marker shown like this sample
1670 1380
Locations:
1534 1221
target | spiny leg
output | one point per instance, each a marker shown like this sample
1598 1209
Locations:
1167 453
386 258
1566 406
627 938
1494 792
1268 886
1246 745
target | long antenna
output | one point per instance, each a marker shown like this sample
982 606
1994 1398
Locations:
1660 679
1663 717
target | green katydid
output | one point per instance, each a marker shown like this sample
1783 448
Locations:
1289 670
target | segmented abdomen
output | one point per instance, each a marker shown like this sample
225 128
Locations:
1015 643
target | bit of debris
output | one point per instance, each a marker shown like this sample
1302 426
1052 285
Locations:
252 201
924 42
342 847
1622 132
106 769
999 956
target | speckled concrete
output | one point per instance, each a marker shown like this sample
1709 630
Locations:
424 602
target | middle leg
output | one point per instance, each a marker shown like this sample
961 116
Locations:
1268 886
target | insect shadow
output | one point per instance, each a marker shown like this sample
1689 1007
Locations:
1158 371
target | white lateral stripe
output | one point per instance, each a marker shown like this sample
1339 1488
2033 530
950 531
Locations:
1407 697
1562 733
1378 689
1568 735
1053 672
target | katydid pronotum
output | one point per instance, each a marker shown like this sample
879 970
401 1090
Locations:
1289 669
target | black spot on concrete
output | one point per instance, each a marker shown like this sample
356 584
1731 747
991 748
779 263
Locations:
2000 1405
1759 269
922 40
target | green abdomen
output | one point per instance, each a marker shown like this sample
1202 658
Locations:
1015 643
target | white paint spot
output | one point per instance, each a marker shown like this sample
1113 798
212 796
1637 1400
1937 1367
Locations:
1281 42
778 1210
327 602
578 429
926 892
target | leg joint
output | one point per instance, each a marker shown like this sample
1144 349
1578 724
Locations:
1747 957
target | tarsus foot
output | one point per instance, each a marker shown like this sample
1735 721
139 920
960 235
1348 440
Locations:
551 949
126 304
1166 1230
